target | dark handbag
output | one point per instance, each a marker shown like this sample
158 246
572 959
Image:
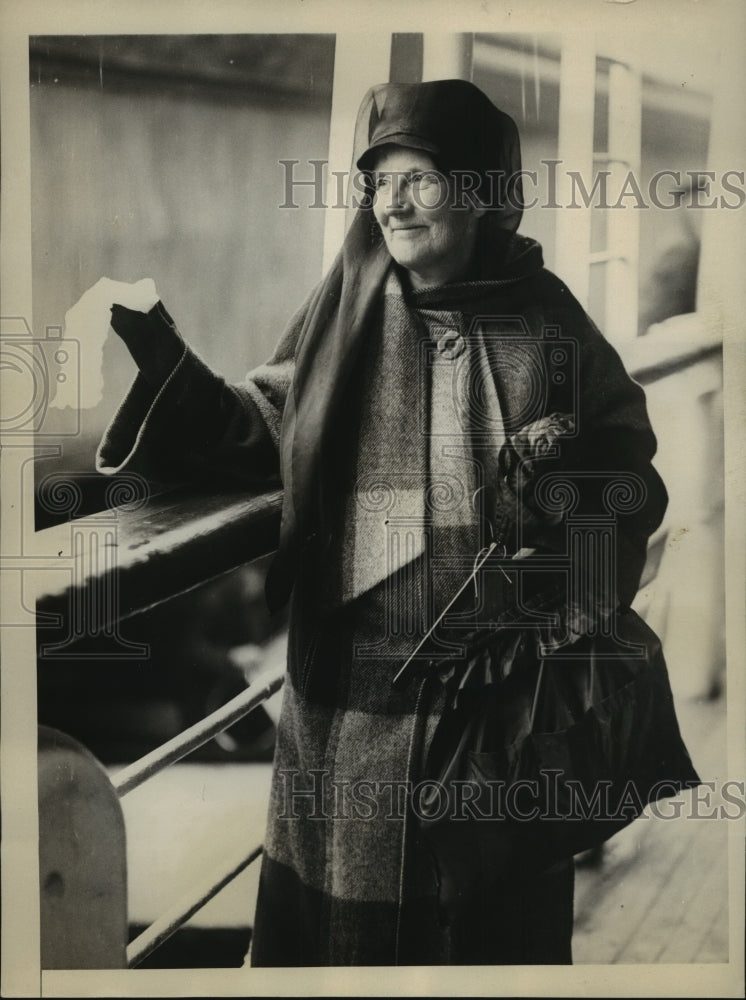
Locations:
528 769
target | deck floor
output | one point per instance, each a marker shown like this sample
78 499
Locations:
659 893
660 890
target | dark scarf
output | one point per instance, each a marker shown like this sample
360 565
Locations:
464 130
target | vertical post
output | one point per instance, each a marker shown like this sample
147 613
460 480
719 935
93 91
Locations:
623 232
721 303
721 297
360 62
447 57
575 152
82 859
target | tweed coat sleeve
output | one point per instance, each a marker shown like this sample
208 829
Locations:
604 468
611 460
181 421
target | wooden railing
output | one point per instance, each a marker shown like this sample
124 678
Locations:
164 547
176 541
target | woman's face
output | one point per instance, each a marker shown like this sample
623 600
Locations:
425 231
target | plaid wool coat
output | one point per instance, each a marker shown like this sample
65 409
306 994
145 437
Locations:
345 880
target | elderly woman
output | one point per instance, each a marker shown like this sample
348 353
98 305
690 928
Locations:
391 410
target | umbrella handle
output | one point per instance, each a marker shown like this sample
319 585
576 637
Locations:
536 696
592 678
403 674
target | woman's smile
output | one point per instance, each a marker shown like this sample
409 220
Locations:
424 232
406 232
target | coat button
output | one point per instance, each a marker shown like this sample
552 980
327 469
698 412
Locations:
451 344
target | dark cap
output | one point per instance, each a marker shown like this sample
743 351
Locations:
394 137
453 120
459 126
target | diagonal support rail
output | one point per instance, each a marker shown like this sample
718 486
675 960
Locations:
185 908
264 687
